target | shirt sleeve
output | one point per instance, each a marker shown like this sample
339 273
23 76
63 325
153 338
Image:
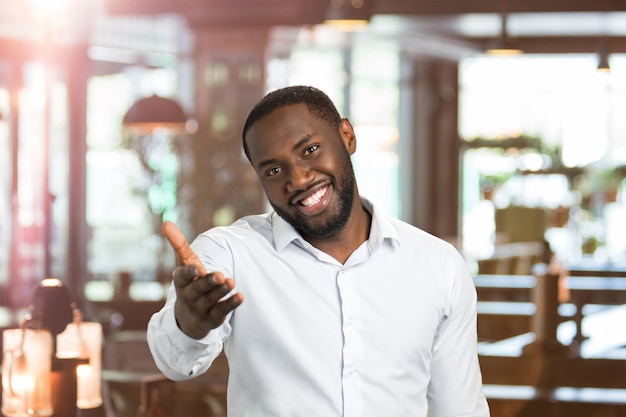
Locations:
177 355
455 388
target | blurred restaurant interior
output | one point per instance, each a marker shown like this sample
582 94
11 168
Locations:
117 115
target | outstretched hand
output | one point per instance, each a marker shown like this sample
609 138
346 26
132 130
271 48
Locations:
200 304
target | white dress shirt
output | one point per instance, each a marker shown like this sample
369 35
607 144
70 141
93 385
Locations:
392 332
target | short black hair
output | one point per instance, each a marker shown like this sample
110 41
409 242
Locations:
318 103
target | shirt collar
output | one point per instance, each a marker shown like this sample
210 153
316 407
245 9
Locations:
380 230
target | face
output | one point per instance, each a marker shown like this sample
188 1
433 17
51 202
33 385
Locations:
304 166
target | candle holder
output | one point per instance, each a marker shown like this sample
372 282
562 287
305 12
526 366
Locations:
83 340
51 365
26 371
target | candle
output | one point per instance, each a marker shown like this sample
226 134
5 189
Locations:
84 340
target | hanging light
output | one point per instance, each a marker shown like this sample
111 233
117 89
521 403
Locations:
155 112
503 46
349 15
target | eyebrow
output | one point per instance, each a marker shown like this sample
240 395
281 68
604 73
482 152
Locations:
298 144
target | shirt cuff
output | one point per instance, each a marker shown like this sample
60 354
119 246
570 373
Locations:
191 356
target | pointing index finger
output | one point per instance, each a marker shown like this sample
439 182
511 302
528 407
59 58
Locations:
181 247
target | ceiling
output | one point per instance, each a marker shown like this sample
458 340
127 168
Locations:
538 26
446 28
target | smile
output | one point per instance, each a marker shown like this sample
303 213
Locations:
315 203
315 198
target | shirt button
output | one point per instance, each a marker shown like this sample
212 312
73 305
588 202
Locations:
349 322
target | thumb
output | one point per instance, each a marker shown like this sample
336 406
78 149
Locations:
179 243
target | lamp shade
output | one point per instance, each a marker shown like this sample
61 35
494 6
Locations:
154 112
52 306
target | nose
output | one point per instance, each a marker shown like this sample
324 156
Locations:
299 178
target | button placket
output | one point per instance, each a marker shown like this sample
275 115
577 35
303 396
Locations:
345 283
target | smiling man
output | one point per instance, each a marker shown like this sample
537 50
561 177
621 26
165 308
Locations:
347 312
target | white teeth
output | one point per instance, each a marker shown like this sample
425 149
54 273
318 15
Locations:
314 199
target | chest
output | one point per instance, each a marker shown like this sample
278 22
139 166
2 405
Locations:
383 304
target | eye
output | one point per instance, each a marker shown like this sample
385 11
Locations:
310 149
272 171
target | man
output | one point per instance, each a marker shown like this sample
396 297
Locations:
346 313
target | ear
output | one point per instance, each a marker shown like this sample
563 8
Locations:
346 131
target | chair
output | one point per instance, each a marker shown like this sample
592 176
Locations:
134 387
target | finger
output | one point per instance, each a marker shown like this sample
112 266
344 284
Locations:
181 247
218 313
209 289
219 291
184 275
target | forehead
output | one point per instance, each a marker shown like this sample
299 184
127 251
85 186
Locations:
280 129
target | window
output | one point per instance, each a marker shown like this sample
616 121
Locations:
570 111
131 181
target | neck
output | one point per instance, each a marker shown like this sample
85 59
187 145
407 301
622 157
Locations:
356 231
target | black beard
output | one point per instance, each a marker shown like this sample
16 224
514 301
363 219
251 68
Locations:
339 219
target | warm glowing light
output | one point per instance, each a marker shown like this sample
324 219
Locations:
88 387
26 366
21 384
348 25
84 371
49 6
503 46
83 340
504 52
51 282
348 16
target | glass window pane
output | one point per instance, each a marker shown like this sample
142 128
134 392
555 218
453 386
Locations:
6 167
131 183
59 179
322 68
572 110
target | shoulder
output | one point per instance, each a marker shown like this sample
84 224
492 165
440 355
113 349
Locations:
425 250
409 234
221 248
253 228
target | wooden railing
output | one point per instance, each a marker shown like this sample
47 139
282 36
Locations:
535 356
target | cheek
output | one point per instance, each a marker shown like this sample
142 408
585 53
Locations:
335 165
273 190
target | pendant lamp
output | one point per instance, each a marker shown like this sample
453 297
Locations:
349 15
503 46
155 112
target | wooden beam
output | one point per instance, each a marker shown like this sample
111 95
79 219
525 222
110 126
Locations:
250 8
562 44
228 13
216 14
457 7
